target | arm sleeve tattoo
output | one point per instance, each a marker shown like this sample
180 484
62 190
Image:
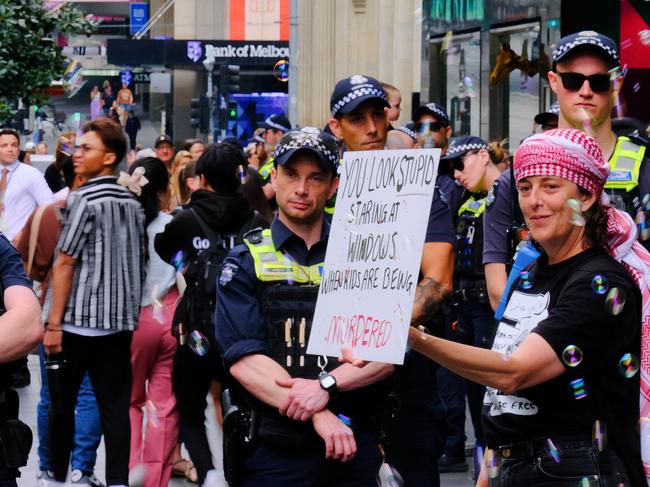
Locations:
428 297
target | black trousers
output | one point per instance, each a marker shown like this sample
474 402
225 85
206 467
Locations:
191 380
271 465
107 359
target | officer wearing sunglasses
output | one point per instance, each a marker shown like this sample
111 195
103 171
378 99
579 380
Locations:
585 74
586 71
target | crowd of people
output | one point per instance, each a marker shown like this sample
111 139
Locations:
193 276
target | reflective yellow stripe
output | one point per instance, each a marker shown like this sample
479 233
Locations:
265 170
625 165
272 265
476 207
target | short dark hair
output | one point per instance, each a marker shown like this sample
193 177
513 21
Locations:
9 131
218 164
112 136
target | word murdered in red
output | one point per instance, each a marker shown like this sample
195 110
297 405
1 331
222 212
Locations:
359 331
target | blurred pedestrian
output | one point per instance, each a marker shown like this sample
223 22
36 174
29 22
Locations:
22 187
125 102
95 103
153 346
132 127
164 147
195 147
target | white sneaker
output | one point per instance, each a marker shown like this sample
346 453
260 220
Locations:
77 477
46 479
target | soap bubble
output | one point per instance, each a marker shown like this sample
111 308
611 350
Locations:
615 301
628 365
599 284
281 70
198 343
572 356
552 450
525 281
152 413
576 218
599 435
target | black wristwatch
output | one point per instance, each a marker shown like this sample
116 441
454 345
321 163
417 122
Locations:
328 382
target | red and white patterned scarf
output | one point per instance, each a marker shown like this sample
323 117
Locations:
575 156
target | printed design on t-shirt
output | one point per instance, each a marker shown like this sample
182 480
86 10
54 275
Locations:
523 313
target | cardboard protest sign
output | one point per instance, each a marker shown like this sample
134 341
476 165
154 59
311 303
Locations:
373 255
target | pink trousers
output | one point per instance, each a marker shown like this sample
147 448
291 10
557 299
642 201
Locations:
152 356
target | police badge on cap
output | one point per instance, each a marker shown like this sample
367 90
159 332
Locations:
311 139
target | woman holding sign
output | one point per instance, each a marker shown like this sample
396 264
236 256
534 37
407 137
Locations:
562 400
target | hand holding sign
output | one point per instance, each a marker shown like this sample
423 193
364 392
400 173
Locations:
373 255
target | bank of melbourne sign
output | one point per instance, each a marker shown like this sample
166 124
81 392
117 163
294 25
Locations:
129 52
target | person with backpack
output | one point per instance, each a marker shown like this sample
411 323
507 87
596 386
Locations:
196 241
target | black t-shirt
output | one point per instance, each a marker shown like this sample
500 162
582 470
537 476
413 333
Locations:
563 308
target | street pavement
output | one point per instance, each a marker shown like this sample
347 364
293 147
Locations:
29 399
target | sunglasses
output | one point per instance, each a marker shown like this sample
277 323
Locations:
459 163
428 127
599 83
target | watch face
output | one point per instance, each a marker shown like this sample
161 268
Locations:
327 381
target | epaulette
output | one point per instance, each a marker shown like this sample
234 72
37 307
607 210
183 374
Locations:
254 236
638 139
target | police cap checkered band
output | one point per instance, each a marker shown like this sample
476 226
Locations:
277 121
434 109
566 153
312 139
409 129
350 92
459 146
586 38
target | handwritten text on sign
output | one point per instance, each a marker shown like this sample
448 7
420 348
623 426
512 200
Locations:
373 255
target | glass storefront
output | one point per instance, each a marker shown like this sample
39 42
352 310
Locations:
487 62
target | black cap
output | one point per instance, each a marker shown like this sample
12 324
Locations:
279 121
552 111
350 92
435 109
311 139
409 129
163 139
459 146
591 38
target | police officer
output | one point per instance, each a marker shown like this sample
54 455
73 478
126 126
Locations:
585 72
415 436
21 329
548 120
313 419
432 125
474 166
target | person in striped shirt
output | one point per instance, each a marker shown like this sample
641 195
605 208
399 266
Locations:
95 302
